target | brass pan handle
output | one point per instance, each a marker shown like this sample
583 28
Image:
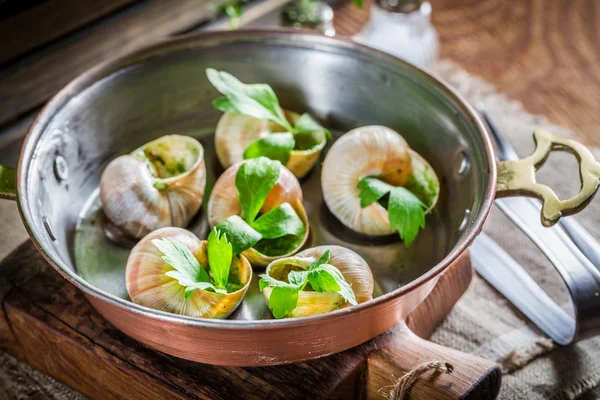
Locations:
8 183
518 177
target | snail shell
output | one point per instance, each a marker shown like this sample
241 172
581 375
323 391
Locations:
353 267
224 202
370 151
148 285
236 132
160 184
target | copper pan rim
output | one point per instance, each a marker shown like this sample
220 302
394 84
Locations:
290 37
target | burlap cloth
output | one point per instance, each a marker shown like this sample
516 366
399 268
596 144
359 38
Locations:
483 322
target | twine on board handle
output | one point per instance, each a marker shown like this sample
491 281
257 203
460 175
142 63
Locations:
400 390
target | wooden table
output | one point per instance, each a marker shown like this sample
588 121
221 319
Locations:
545 53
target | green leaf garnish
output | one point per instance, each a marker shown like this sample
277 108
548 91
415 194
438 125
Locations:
298 278
406 212
187 270
283 300
241 235
306 123
274 232
324 259
321 276
280 221
253 182
372 189
191 288
280 246
259 101
318 277
276 146
256 100
178 256
220 255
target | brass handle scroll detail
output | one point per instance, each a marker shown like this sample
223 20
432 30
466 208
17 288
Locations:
517 178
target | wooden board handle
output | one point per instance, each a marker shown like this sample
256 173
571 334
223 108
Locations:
471 377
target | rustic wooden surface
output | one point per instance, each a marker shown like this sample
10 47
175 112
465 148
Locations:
30 82
545 53
48 20
47 323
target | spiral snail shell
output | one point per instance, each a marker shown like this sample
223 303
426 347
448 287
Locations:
158 185
224 202
148 285
236 132
379 152
353 267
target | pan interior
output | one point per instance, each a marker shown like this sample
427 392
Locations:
168 93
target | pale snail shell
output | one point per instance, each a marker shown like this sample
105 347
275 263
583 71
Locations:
236 132
148 285
369 151
353 267
160 184
224 202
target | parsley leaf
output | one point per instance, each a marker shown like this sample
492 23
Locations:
279 222
322 280
241 235
280 246
178 256
220 256
322 277
298 278
372 189
406 212
324 259
306 123
319 277
259 101
283 300
188 271
276 146
284 297
256 100
191 288
253 182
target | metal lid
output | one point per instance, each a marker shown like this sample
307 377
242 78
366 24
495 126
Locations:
399 6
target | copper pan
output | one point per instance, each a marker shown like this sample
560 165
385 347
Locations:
118 105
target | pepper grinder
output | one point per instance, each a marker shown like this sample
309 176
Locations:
402 28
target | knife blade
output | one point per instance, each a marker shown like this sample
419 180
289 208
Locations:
499 269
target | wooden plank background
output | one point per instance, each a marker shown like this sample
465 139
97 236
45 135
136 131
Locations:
545 53
49 20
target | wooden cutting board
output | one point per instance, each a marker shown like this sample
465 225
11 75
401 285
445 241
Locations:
47 323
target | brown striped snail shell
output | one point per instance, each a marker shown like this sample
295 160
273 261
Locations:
353 267
158 185
236 132
148 285
370 151
224 202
